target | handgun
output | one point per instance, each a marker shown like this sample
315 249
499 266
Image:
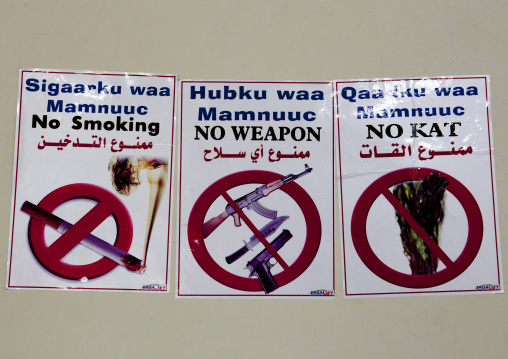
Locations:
250 200
260 266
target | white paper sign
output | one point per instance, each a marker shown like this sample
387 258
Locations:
262 152
91 189
417 186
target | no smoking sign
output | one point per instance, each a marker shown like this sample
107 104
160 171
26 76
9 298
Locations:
381 187
51 257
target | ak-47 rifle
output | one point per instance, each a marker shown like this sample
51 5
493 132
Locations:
251 201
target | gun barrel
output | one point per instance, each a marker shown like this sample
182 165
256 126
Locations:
292 177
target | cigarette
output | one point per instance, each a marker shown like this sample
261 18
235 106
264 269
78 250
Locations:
90 241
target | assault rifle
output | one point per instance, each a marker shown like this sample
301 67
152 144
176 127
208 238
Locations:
251 201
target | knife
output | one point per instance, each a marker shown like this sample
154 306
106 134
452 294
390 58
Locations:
266 231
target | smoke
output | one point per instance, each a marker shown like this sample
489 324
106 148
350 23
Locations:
125 171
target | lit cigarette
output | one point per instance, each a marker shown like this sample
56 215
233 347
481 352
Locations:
90 241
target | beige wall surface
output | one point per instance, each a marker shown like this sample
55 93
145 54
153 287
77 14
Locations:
253 40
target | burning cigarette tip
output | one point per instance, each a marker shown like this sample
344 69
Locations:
134 264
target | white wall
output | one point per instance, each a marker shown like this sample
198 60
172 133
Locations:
253 40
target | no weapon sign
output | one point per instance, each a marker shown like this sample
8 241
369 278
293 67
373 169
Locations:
219 188
453 268
51 256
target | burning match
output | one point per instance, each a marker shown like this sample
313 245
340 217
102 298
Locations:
90 241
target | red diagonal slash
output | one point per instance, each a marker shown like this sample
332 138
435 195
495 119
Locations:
70 239
399 207
254 230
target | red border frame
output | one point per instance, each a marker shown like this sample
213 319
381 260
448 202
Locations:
337 114
172 122
180 182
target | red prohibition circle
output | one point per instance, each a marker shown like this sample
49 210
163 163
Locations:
208 264
381 187
51 256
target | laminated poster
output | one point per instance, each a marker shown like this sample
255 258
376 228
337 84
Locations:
91 187
256 189
417 186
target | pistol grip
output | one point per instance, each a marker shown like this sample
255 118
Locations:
265 277
236 217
